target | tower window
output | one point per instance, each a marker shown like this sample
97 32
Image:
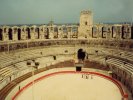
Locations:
85 23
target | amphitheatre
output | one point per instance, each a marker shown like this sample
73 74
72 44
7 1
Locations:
42 62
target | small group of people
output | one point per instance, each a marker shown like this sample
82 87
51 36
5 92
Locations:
86 76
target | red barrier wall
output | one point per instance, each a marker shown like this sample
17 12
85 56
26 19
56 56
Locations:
124 95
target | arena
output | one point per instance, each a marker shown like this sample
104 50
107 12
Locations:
82 61
80 86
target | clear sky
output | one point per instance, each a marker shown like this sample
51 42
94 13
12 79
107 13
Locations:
64 11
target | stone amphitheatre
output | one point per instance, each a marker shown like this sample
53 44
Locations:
41 62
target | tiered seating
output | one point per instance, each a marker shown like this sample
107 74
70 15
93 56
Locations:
95 65
100 59
6 59
10 58
45 61
7 71
17 62
119 63
127 55
21 65
11 85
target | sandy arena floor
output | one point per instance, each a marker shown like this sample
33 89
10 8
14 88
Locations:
72 87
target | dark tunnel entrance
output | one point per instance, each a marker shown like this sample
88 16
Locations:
81 54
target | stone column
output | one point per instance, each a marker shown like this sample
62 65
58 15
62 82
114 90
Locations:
41 28
60 32
5 34
15 33
33 33
23 33
51 33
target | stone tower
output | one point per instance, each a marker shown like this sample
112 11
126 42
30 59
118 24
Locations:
86 22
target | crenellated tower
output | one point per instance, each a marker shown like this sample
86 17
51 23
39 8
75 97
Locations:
86 22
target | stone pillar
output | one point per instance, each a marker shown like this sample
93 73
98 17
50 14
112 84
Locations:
128 32
55 31
5 33
32 32
37 33
114 32
99 31
46 32
15 33
60 33
69 31
109 33
119 32
23 33
42 36
51 32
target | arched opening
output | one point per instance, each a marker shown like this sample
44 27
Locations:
81 54
5 30
10 34
132 32
1 37
64 32
28 33
38 33
19 34
94 32
75 32
104 32
47 34
56 32
86 23
123 32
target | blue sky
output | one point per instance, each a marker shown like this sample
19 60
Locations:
64 11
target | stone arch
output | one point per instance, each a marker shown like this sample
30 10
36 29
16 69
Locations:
55 29
47 33
10 34
104 31
94 32
5 30
28 33
56 32
32 28
123 32
38 32
64 29
1 36
81 54
131 32
74 31
19 34
65 32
